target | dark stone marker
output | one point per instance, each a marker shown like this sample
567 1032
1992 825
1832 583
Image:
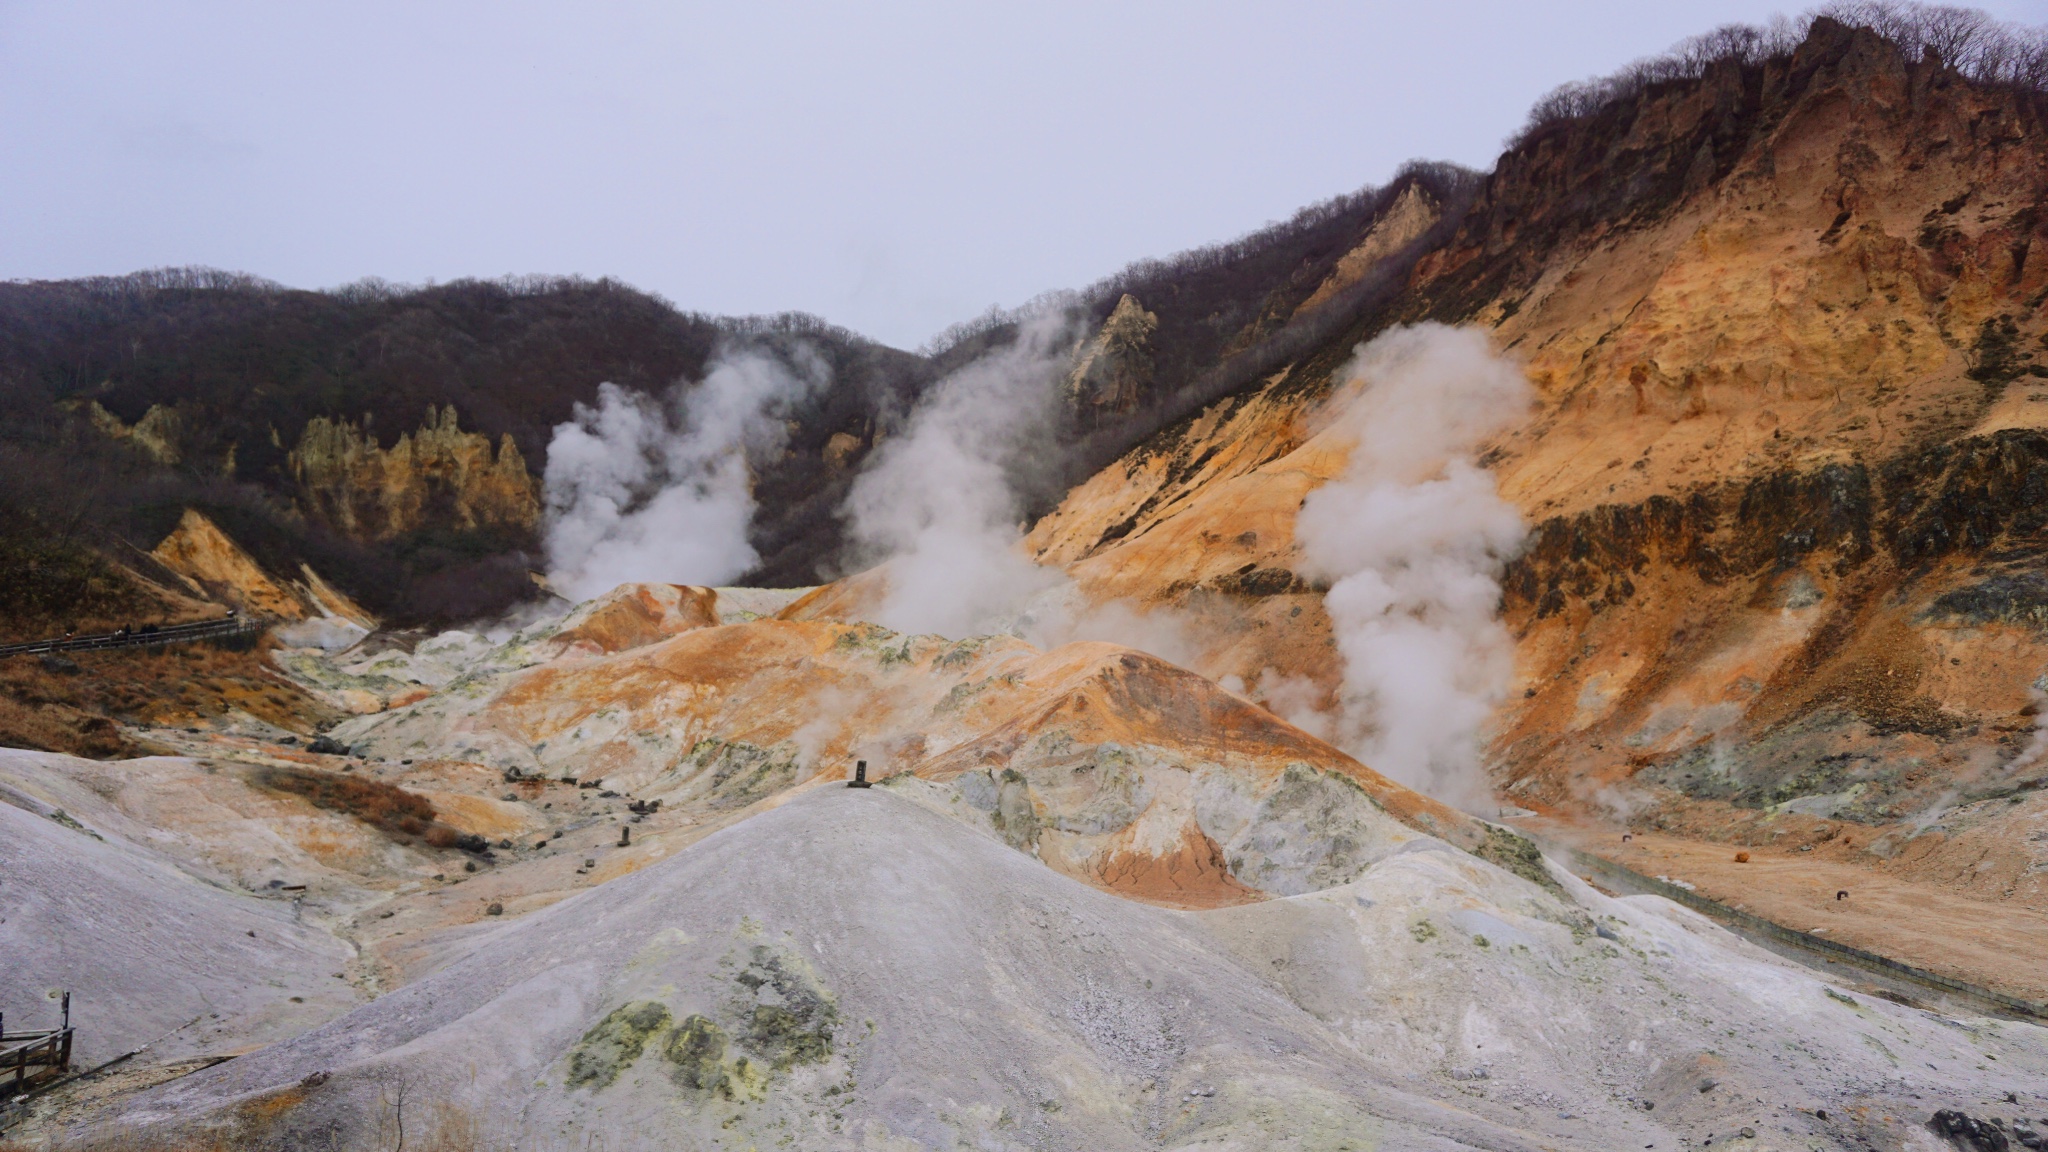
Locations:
860 775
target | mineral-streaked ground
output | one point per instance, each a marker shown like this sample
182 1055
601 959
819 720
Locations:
1069 917
1782 593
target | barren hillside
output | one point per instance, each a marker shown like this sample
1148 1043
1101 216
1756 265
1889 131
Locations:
1396 590
1782 474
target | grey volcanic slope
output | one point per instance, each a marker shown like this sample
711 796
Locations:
851 970
149 952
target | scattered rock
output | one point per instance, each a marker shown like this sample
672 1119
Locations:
1968 1133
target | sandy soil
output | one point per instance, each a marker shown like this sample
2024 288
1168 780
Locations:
1998 946
926 985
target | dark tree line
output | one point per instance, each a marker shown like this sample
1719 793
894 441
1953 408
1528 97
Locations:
246 363
1984 50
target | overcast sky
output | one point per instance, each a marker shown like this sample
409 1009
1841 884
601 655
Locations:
893 168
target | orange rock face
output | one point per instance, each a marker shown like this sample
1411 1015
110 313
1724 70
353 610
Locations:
432 476
634 615
1779 478
218 568
1112 766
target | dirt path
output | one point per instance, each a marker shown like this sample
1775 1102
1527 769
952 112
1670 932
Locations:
2001 947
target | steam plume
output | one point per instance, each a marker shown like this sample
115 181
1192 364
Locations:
1413 537
937 502
940 507
641 488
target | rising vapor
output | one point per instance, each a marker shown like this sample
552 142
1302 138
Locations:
1413 537
641 488
936 504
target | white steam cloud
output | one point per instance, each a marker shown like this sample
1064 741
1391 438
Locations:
1413 537
937 506
647 489
936 502
2037 747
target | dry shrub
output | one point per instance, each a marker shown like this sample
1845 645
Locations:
380 805
72 702
53 727
386 807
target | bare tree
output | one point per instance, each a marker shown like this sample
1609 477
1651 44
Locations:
1984 50
394 1088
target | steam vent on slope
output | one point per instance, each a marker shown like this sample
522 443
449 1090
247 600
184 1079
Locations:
1542 659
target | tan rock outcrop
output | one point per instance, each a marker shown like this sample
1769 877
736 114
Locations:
840 449
1406 219
632 616
437 476
199 551
218 567
1115 366
157 434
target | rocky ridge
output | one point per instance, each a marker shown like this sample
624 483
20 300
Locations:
436 477
1780 479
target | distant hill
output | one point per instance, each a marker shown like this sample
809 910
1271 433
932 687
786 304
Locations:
280 412
124 400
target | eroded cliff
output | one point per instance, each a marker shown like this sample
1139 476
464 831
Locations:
436 477
1782 479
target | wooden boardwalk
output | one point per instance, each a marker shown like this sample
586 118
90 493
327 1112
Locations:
148 636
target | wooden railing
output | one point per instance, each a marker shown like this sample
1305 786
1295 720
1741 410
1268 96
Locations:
148 636
28 1059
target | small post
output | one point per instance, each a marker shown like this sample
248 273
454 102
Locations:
67 1010
860 775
